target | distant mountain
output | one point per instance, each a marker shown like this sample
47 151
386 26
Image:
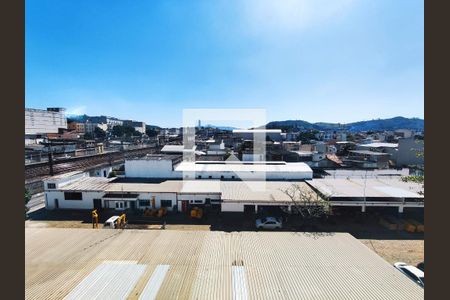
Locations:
152 127
388 124
372 125
220 127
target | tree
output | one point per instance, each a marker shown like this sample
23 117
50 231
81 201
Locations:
420 178
151 132
27 199
99 133
307 203
128 131
88 136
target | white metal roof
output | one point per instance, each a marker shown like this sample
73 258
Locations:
254 191
236 167
379 145
368 173
272 265
177 149
234 191
88 184
370 187
64 175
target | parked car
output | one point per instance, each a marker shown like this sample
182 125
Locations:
269 223
412 272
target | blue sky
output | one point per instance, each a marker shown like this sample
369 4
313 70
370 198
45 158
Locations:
321 60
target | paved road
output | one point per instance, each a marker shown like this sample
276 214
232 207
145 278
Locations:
37 202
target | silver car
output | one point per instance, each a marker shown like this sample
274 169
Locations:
269 223
412 272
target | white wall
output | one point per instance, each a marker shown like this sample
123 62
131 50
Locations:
158 198
143 168
86 203
232 207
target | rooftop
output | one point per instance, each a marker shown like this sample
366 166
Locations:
231 191
379 145
65 175
158 157
116 264
367 152
241 167
177 148
370 187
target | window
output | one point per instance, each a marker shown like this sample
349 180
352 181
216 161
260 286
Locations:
199 176
144 202
51 185
166 203
198 201
73 196
221 177
232 177
210 177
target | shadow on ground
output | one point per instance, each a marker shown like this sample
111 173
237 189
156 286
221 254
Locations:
365 227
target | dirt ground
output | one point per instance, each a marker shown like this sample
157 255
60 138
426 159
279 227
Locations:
80 224
408 251
393 246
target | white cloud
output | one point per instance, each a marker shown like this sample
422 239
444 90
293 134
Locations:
290 16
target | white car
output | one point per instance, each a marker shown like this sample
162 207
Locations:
412 272
269 223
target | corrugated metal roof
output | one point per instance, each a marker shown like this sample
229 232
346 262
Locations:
154 284
262 191
87 184
370 187
246 168
65 175
277 265
177 148
110 280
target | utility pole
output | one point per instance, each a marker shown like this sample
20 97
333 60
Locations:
365 183
50 157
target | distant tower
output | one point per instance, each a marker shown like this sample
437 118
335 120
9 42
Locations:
199 124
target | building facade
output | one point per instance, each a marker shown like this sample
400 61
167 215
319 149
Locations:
42 122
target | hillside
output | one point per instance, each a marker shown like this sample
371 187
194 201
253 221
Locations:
371 125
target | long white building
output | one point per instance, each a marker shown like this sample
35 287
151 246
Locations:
172 166
76 190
